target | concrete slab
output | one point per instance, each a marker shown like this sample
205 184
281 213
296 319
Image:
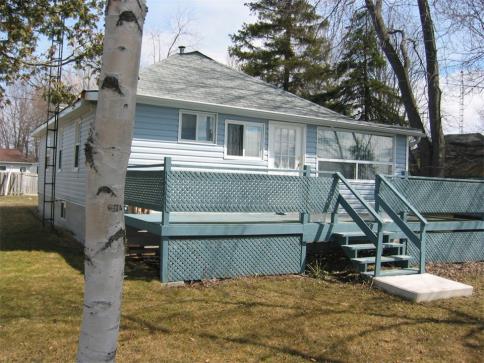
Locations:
422 287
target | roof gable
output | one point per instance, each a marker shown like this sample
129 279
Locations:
195 77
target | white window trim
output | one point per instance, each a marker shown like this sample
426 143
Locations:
77 142
393 163
197 113
245 123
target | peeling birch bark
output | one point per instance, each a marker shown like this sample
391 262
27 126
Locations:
107 154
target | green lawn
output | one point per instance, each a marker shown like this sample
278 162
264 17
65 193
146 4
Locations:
290 319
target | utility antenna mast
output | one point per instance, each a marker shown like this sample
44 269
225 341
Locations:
52 125
461 108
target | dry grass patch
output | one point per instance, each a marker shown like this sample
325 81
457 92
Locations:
274 319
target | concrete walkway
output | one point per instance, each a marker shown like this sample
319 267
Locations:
422 287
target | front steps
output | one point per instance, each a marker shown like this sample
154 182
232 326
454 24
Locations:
394 260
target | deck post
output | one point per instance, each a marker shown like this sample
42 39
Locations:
165 222
304 219
334 213
423 235
379 250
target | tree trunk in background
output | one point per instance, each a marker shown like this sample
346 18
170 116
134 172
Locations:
433 90
107 153
425 147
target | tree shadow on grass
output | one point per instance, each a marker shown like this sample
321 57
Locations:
21 230
370 326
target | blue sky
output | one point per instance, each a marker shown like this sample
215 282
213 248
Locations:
212 22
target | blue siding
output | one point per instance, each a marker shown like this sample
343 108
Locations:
156 136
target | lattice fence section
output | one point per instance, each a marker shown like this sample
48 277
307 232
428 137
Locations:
198 259
191 191
322 195
438 196
451 246
144 189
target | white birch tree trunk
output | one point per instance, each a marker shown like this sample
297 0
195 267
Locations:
107 153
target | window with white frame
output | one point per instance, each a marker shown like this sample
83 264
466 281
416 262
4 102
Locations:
197 127
77 144
60 147
244 139
355 155
62 209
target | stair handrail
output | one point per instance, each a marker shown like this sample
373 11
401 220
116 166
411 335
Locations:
365 204
375 238
400 221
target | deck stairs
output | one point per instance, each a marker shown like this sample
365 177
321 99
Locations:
361 253
376 251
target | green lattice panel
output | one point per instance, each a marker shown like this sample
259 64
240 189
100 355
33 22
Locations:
198 259
437 195
144 189
451 247
323 194
190 191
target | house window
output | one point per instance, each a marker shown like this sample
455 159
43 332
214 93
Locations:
197 127
355 155
3 168
61 146
77 144
244 139
63 209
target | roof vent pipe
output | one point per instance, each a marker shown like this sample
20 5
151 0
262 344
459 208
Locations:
182 49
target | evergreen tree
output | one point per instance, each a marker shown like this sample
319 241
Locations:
285 46
360 90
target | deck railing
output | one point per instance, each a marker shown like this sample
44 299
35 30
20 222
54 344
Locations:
384 192
439 195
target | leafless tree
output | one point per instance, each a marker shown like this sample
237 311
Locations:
463 23
431 150
164 43
25 111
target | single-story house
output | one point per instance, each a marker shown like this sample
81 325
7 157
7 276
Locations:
14 160
199 111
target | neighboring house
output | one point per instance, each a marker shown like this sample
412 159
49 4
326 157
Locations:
198 111
15 160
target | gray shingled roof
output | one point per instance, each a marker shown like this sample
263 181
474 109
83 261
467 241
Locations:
196 77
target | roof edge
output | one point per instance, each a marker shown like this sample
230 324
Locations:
92 96
277 116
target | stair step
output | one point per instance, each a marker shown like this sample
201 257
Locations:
371 260
370 246
393 272
357 234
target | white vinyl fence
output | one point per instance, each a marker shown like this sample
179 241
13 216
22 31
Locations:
17 183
